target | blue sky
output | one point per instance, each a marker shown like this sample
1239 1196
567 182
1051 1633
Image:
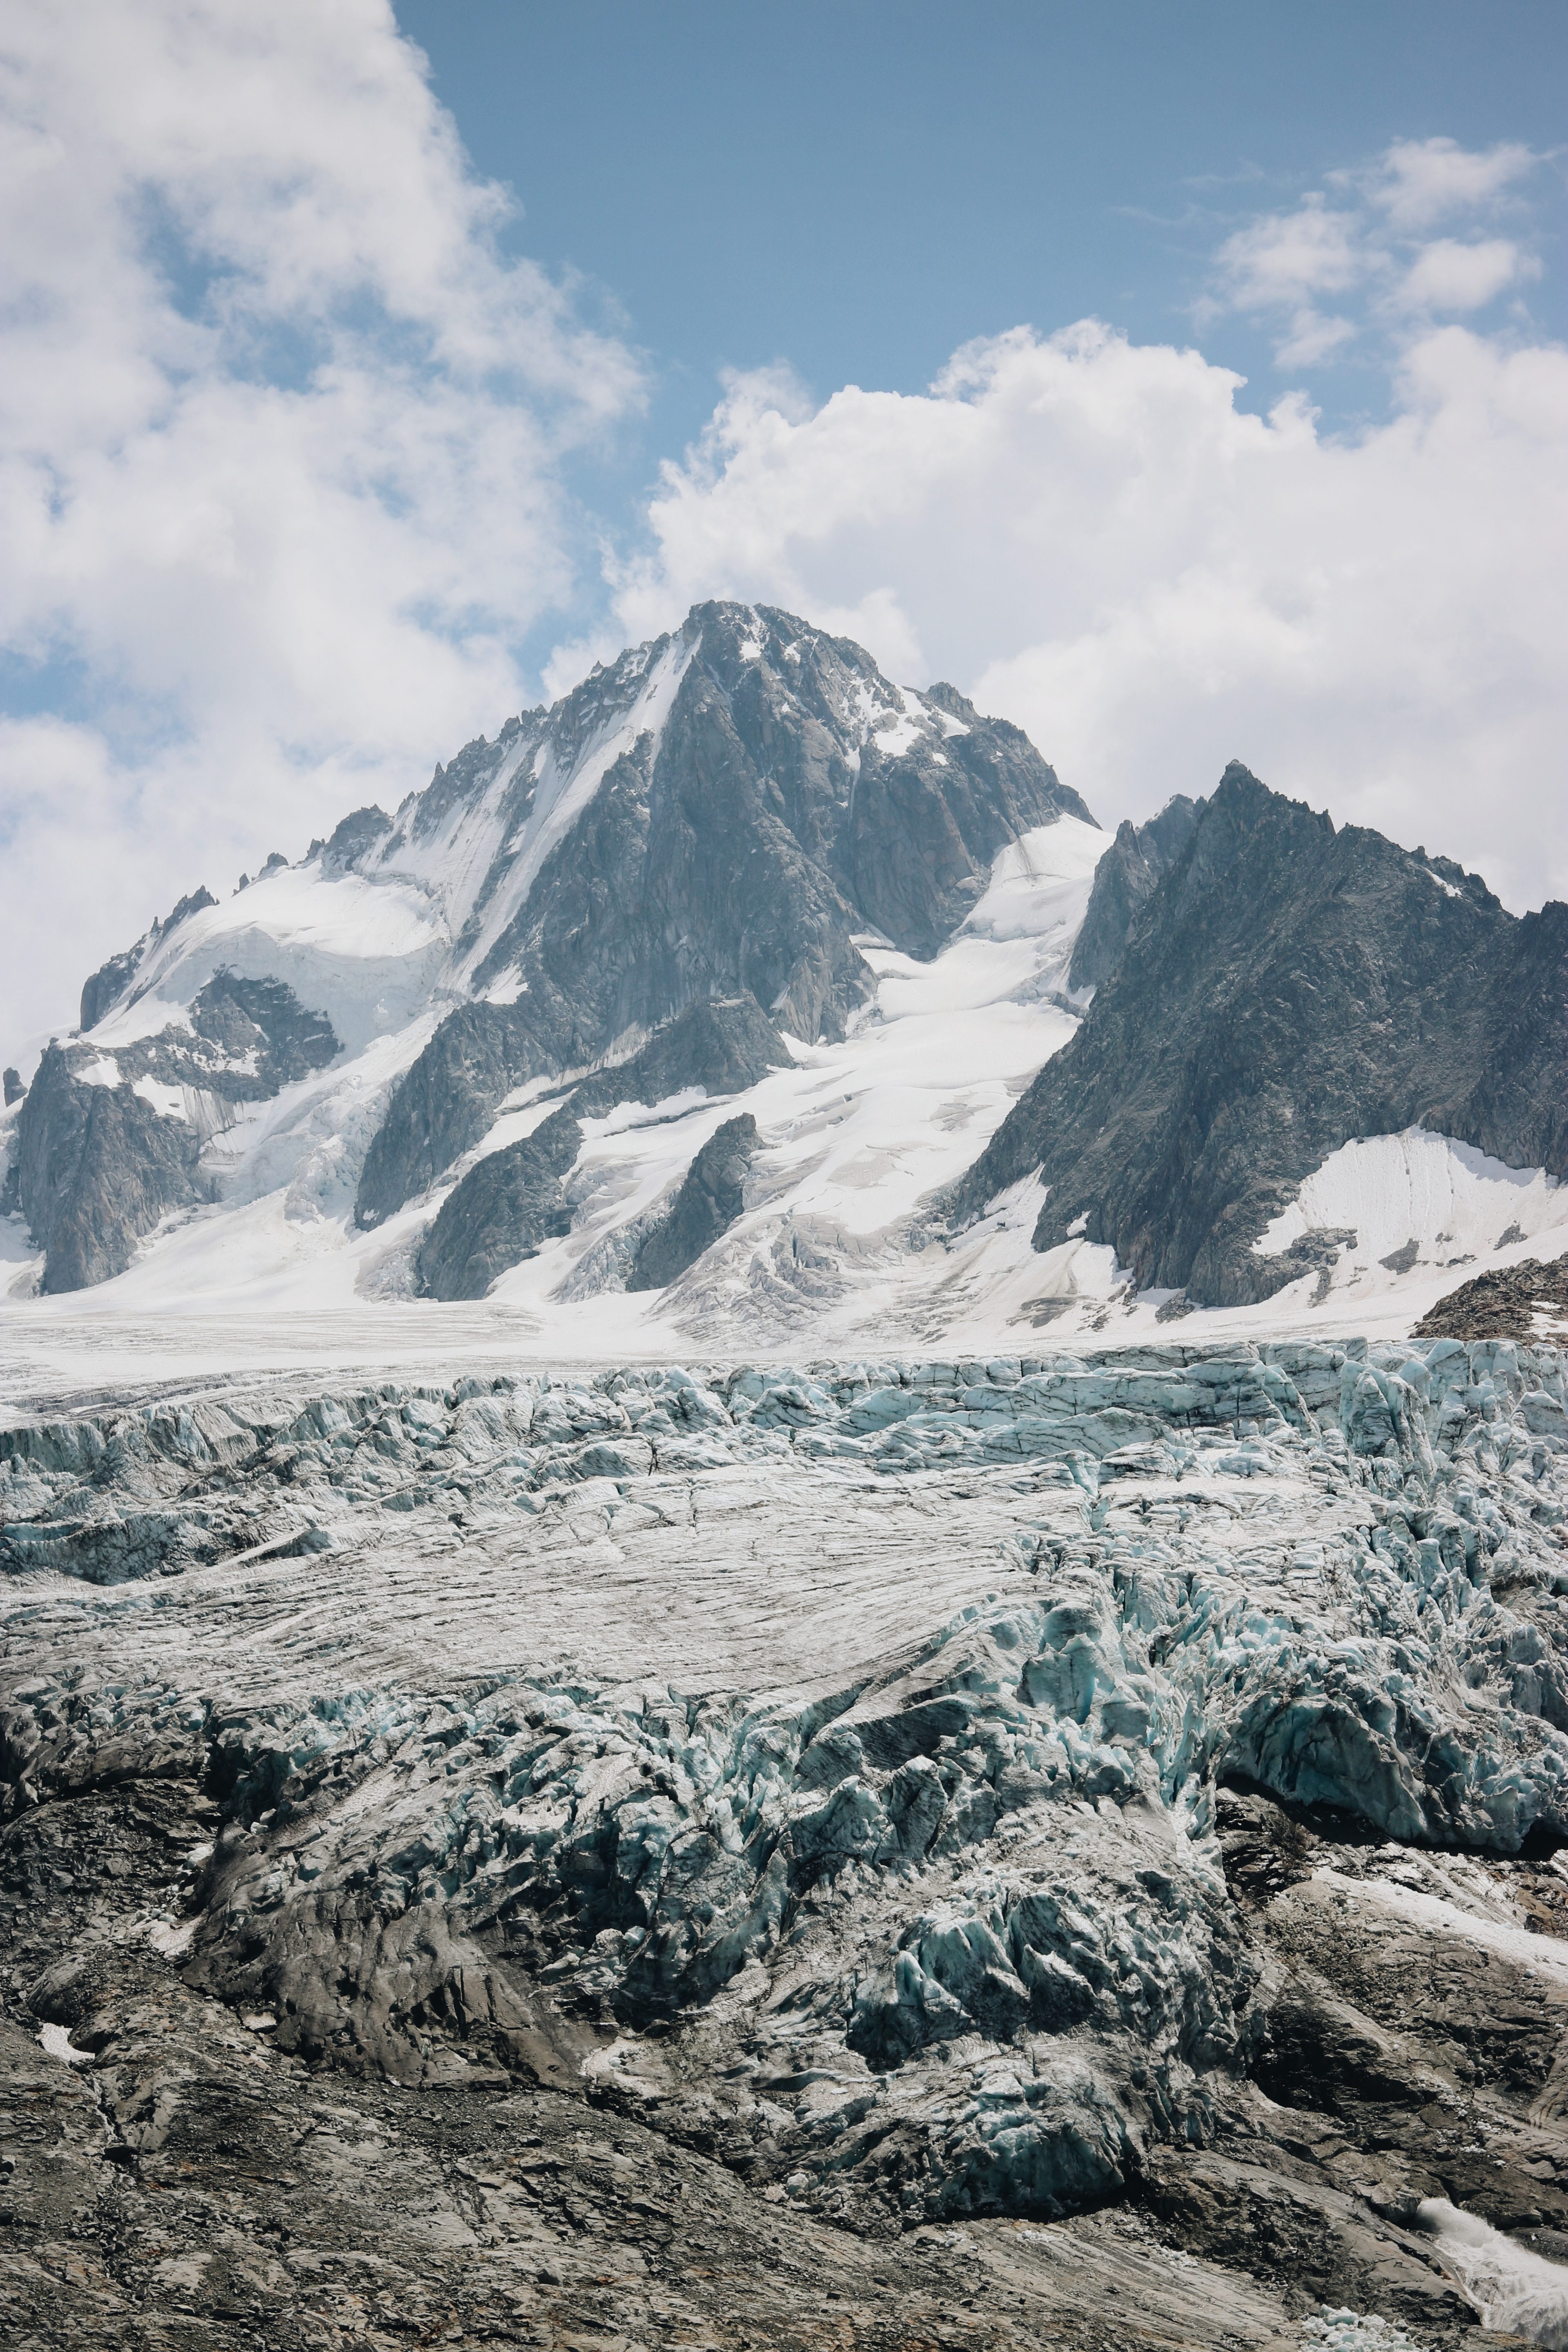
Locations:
855 188
366 375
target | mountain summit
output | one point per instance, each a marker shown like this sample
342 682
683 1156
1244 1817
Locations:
734 812
744 995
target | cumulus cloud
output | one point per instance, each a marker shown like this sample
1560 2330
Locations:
1416 182
1449 276
1368 249
281 430
1095 541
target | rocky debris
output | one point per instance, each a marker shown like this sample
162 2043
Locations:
1284 988
505 1207
1124 879
738 851
711 1198
1510 1302
1147 1947
107 1145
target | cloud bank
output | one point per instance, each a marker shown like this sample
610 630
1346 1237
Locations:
1097 541
282 433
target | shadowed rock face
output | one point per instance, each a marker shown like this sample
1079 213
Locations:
509 1205
513 1199
708 1203
740 856
1124 879
722 1047
98 1165
1284 988
97 1168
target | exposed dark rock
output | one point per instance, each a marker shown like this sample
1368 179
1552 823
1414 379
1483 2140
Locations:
505 1207
107 984
1284 988
97 1168
443 1103
707 1205
258 1025
15 1089
351 840
742 856
1124 879
722 1047
1509 1303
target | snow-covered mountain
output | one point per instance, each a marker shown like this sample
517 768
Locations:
699 1007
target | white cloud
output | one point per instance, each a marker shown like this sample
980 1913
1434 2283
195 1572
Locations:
1368 250
1094 540
1288 258
1419 182
1449 276
281 433
1313 337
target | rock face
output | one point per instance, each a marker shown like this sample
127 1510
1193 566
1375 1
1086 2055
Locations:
917 1796
512 1200
504 1208
108 1144
1124 879
1285 988
97 1167
710 1200
765 796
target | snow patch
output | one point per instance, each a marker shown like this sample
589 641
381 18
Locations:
57 2041
169 1102
1452 1201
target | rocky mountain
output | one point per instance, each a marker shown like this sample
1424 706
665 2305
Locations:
728 810
1124 879
1284 989
641 1703
999 1072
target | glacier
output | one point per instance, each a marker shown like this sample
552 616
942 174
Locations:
826 1765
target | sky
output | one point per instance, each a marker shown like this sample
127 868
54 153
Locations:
1183 383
